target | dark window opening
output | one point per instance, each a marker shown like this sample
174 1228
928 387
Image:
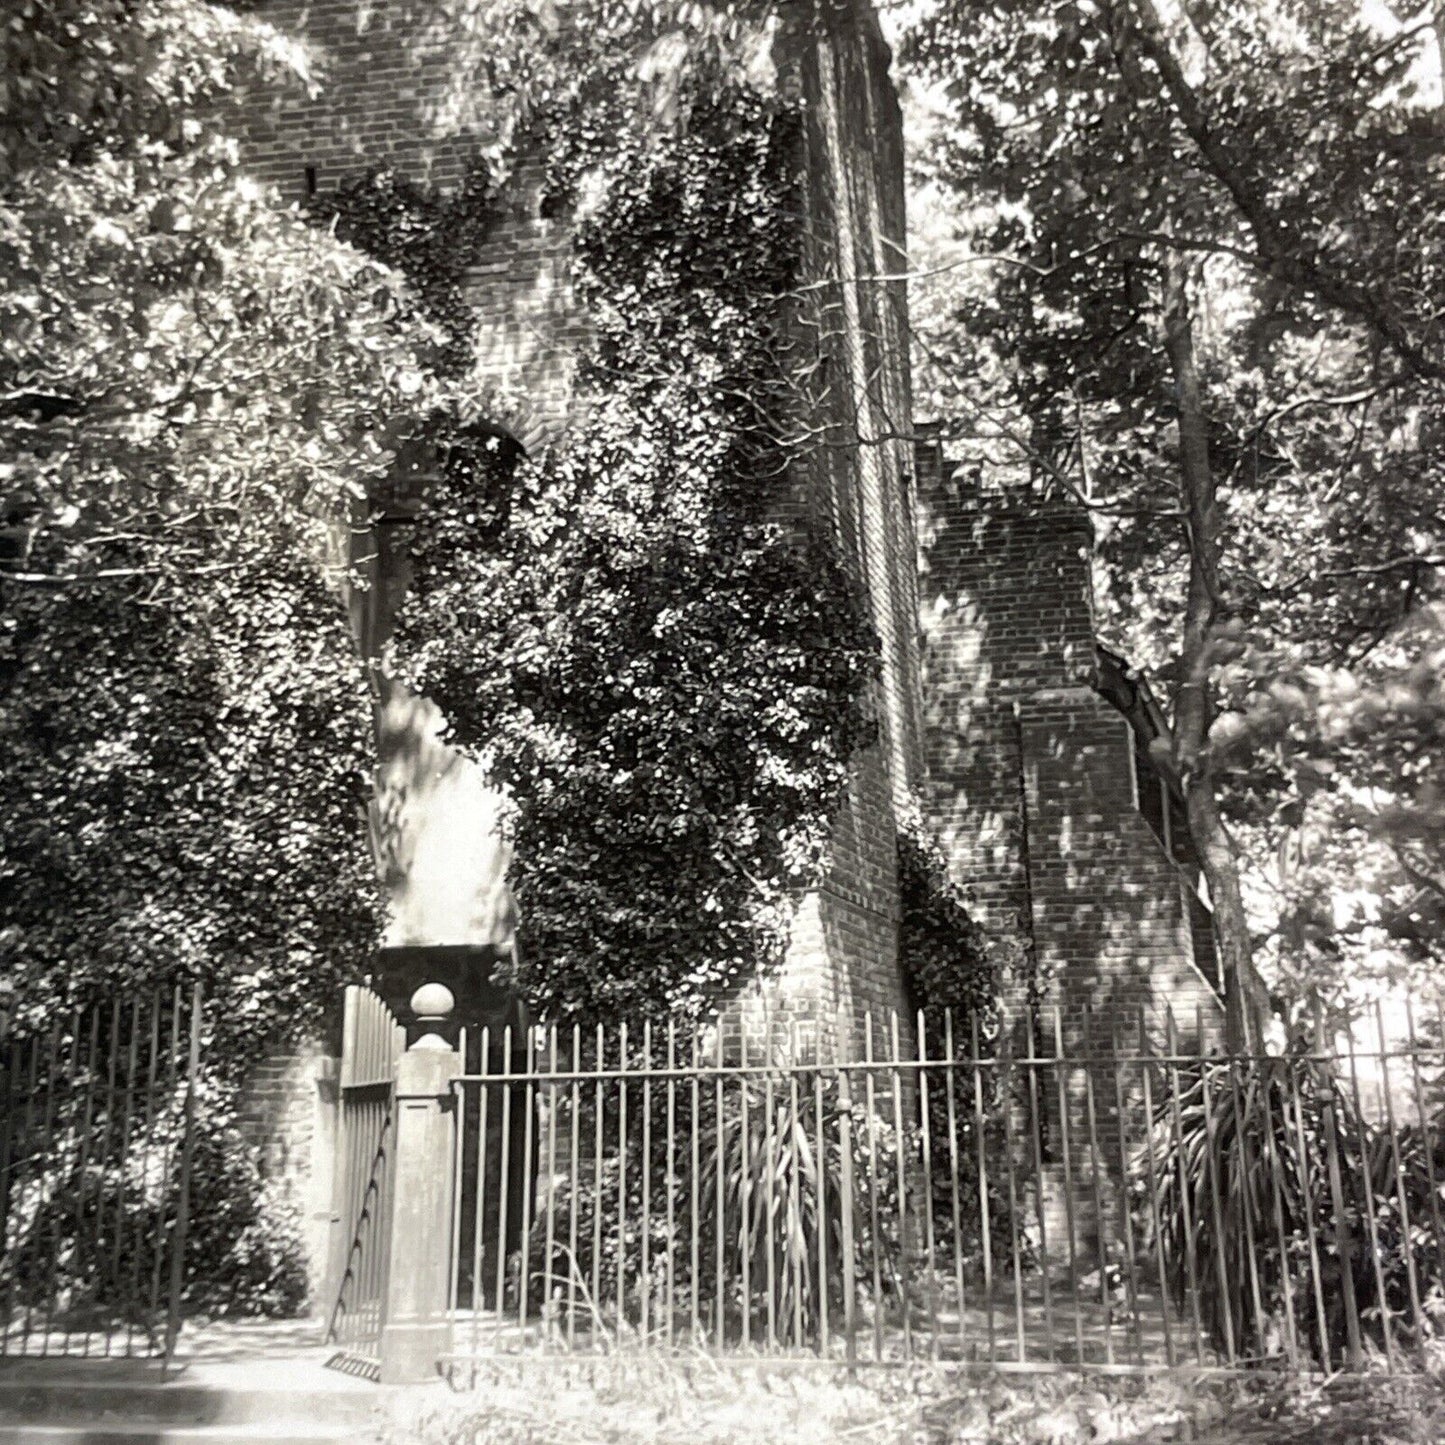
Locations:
1202 936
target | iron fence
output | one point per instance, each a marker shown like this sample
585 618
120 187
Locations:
96 1127
372 1040
1052 1198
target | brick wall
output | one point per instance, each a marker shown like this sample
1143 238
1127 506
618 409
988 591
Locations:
841 968
850 330
853 479
1030 769
1027 767
394 87
393 83
1031 786
530 332
288 1113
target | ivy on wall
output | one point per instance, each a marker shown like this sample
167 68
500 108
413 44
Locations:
429 237
184 800
196 384
950 968
667 678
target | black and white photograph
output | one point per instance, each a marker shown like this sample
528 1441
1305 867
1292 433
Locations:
722 722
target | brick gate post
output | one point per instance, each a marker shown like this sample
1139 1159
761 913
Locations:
416 1328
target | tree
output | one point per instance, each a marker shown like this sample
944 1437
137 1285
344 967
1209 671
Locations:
194 386
189 372
1206 312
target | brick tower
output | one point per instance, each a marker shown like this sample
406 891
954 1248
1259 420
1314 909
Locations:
1025 741
994 701
388 98
1039 779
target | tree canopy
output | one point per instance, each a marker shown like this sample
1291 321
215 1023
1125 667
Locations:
194 386
1193 286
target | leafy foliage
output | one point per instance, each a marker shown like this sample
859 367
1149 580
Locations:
188 371
95 1158
1243 1169
184 799
1260 181
951 972
1357 862
430 239
666 680
948 963
244 1251
194 387
770 1178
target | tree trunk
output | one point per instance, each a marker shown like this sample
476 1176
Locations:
1194 704
1245 1006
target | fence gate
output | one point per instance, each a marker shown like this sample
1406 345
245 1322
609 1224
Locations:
97 1128
372 1042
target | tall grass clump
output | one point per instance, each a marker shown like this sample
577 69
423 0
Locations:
1288 1212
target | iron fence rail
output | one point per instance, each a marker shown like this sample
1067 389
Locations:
1054 1198
97 1122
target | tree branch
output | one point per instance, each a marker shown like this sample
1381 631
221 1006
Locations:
1282 254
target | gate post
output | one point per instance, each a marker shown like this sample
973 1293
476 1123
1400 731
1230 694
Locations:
416 1323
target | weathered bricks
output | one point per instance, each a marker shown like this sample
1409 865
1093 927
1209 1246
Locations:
288 1113
1031 771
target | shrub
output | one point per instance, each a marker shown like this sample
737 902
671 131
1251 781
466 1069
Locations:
244 1251
188 766
950 969
763 1182
1247 1202
92 1207
951 974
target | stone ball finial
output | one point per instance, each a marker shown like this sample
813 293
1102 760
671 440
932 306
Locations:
432 1003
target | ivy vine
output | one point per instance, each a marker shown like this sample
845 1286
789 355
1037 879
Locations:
669 681
950 968
188 766
431 237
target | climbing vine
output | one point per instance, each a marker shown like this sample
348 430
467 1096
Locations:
184 800
668 679
951 973
429 237
950 969
194 386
